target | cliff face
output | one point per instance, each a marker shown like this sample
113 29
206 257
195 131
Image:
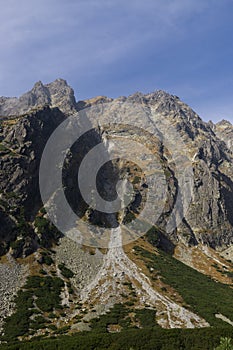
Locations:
22 142
209 218
25 126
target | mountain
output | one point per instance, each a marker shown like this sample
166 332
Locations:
164 259
57 94
224 130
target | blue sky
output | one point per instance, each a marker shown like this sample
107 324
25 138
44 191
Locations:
116 47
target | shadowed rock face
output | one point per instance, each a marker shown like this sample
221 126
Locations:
209 219
22 143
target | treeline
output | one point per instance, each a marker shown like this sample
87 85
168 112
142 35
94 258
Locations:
145 339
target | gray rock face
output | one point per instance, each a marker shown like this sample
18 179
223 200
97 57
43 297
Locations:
13 276
209 218
22 143
57 94
224 131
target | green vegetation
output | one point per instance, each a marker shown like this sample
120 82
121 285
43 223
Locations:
47 291
146 317
136 180
18 324
23 227
39 303
41 223
65 271
7 151
152 236
129 217
16 245
202 294
9 195
4 149
48 260
225 344
123 317
38 322
48 232
116 316
145 339
40 294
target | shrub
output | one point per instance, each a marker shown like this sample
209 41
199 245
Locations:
65 271
225 344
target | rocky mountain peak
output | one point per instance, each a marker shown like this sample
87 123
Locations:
224 123
224 131
38 84
56 94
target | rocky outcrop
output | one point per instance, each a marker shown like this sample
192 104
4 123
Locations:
56 94
224 131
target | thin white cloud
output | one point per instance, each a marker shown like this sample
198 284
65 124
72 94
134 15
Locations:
107 29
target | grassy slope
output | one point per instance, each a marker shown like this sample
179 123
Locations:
204 296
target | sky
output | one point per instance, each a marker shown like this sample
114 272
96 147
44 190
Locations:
118 47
